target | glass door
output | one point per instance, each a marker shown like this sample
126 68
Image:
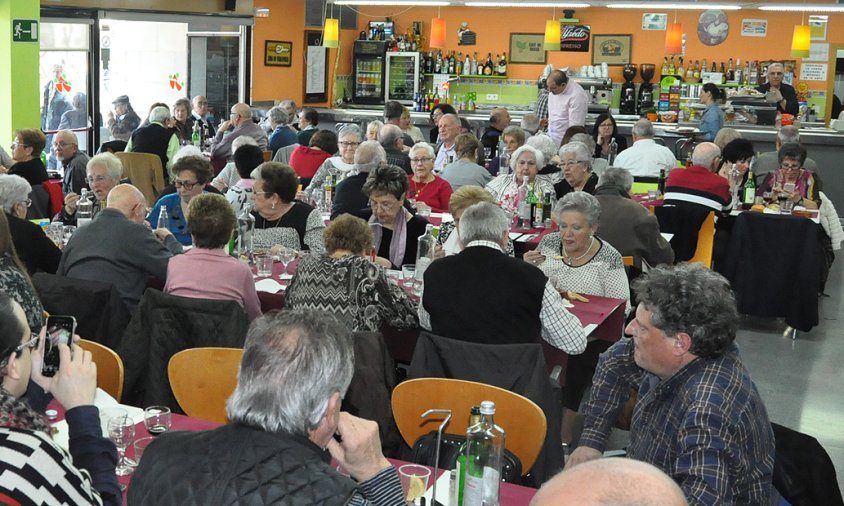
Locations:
214 71
402 77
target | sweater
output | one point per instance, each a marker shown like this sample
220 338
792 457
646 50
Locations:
35 250
697 185
436 193
33 171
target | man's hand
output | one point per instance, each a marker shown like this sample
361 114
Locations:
360 450
75 384
582 454
533 257
70 201
162 233
225 125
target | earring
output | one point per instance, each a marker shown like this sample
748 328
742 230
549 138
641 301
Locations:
273 206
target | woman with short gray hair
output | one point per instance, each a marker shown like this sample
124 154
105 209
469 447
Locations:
14 194
525 163
338 166
35 250
282 135
578 262
576 162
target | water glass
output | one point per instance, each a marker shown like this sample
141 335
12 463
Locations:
157 419
67 232
786 206
140 445
121 432
653 194
264 265
55 231
414 481
286 255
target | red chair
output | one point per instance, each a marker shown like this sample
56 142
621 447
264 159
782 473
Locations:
54 188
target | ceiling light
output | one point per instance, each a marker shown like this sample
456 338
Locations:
801 8
420 3
262 12
691 6
527 4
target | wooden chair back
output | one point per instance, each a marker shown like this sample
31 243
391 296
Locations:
627 260
145 172
705 242
522 420
109 367
203 379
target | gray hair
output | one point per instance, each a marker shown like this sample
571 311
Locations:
540 158
374 125
483 222
530 123
13 189
369 155
111 163
516 132
190 150
424 146
581 202
243 140
543 143
388 135
585 139
617 176
159 114
788 133
293 362
580 150
725 136
705 153
278 115
693 299
643 128
289 103
350 129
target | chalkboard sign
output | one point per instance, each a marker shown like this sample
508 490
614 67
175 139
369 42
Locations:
316 68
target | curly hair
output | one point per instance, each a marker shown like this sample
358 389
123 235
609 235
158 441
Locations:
348 232
211 221
387 179
199 165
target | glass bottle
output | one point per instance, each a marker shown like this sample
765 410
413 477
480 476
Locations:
163 221
661 182
84 208
484 449
524 205
425 252
749 192
245 231
474 418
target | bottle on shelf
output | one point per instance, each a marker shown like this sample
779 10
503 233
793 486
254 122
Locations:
488 65
484 449
458 66
502 65
696 73
474 67
474 418
495 64
467 65
451 64
731 73
429 63
664 70
85 209
738 75
680 70
671 68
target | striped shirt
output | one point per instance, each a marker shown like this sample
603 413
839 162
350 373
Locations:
698 185
382 489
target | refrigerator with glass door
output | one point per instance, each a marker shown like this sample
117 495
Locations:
402 77
368 67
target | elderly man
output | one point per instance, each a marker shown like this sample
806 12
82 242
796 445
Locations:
567 105
240 123
349 197
779 92
392 116
514 137
449 128
501 300
118 248
699 183
54 104
199 114
157 139
73 161
769 161
123 120
34 248
103 173
284 413
698 417
292 112
282 135
645 157
530 123
391 139
499 119
610 481
628 225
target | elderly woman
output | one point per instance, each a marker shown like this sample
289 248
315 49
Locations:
464 171
799 184
513 138
395 230
192 174
306 160
229 175
340 165
308 124
35 250
206 271
15 282
712 118
181 125
604 131
344 282
551 169
737 153
575 260
279 218
26 152
725 136
427 191
525 164
87 473
373 128
576 162
282 135
104 173
407 126
447 241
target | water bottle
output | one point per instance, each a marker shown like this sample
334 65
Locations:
460 465
163 222
196 138
328 193
484 449
245 231
524 205
84 209
424 253
613 151
503 159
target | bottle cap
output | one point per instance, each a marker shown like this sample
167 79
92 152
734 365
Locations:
487 408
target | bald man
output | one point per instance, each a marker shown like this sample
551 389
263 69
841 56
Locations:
73 161
499 119
610 482
239 123
118 248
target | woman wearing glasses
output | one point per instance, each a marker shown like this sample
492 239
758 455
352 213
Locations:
35 250
800 185
103 173
427 191
525 164
14 280
339 165
395 230
26 152
192 174
576 162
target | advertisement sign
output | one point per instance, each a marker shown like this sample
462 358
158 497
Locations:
574 38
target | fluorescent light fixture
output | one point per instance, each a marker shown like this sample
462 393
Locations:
802 7
690 6
571 5
262 12
420 3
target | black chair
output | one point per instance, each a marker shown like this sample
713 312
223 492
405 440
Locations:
684 222
803 472
41 206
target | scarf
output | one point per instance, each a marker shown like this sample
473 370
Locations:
398 244
18 414
340 165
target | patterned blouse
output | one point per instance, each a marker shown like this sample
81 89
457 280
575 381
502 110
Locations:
14 284
299 228
354 289
506 192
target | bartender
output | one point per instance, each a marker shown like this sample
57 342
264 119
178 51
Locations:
567 105
778 91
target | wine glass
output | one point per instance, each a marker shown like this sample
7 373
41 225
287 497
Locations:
121 431
285 256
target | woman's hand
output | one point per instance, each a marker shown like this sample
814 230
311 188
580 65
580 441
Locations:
534 257
439 251
75 384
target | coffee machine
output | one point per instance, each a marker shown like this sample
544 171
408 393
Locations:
628 90
646 89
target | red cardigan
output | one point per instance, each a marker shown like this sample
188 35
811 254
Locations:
436 194
306 160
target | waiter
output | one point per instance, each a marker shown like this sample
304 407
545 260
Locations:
567 105
781 93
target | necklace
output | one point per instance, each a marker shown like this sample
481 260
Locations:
416 188
570 261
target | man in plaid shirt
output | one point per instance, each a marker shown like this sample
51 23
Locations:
698 416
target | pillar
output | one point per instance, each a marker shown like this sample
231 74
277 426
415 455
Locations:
19 75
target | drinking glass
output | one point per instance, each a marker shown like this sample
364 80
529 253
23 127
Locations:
157 419
55 231
67 232
286 255
121 431
414 481
140 445
408 273
264 265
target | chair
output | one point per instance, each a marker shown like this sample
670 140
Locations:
522 420
643 184
283 154
54 188
203 379
41 203
705 241
145 172
109 367
684 221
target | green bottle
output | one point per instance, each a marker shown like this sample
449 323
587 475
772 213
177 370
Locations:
474 418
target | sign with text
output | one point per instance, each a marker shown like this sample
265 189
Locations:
24 30
813 71
574 38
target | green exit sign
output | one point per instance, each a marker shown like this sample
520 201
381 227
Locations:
24 30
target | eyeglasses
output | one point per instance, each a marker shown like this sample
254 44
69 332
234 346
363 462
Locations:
571 163
265 195
348 144
184 184
383 206
62 144
16 145
28 202
791 166
421 160
95 179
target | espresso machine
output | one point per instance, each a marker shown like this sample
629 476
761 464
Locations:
627 104
646 89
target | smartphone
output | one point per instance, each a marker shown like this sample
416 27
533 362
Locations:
60 330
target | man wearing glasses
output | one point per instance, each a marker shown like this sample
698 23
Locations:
567 105
240 123
199 114
73 161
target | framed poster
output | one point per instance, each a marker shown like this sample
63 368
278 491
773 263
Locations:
278 53
611 49
575 38
654 21
528 48
754 27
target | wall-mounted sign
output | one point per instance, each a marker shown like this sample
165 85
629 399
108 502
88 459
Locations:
713 27
754 27
574 38
654 21
24 30
817 27
278 53
466 37
813 71
611 49
527 48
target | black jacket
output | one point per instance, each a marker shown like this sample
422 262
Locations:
35 249
33 171
153 138
349 196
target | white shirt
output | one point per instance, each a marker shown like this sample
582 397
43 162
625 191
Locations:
566 109
442 157
645 158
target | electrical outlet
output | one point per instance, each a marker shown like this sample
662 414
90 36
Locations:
492 97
